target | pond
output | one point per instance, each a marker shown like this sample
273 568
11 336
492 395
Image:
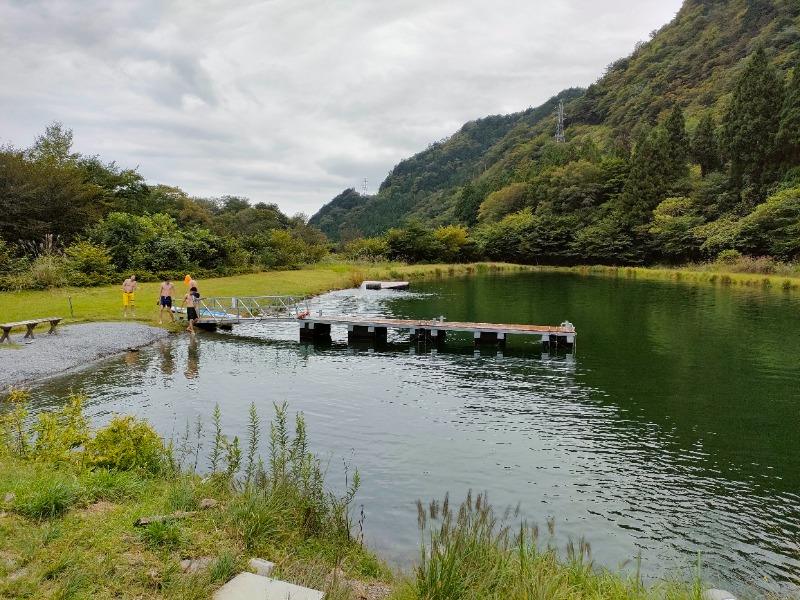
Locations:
672 431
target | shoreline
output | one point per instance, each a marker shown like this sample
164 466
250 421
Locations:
73 346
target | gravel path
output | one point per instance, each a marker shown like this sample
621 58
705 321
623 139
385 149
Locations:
72 346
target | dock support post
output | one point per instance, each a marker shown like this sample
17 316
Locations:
492 338
558 341
426 335
314 331
366 332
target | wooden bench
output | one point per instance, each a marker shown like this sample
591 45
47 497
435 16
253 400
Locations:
30 324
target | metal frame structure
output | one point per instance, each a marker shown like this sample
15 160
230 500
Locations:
246 309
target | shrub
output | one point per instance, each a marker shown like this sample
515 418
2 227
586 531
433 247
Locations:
58 433
127 444
46 271
729 257
14 436
371 249
89 264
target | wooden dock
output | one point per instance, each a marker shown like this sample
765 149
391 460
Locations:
226 312
435 330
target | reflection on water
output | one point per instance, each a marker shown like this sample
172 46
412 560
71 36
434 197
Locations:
192 359
673 431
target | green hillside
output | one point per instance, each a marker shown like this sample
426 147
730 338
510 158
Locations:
686 148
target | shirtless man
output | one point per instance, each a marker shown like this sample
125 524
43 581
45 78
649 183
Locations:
165 300
128 289
191 308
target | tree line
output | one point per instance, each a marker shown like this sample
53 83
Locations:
727 185
66 218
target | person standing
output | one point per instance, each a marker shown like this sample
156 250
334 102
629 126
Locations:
191 308
165 293
193 285
128 290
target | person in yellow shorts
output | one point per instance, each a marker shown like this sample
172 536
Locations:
128 289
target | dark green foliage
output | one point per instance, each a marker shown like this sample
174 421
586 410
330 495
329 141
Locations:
47 197
672 232
467 205
90 264
751 123
112 223
773 228
788 137
606 242
723 59
705 146
677 142
412 243
649 179
530 238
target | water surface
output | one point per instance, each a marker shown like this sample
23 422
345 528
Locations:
673 431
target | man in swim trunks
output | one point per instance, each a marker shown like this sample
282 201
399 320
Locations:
128 289
191 308
165 293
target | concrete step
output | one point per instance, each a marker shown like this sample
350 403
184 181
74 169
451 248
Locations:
248 586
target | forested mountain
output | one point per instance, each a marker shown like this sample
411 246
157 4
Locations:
423 185
687 147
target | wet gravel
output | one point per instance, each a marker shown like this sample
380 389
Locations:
71 347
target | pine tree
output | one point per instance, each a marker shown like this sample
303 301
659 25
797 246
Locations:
705 146
677 148
648 182
788 139
751 124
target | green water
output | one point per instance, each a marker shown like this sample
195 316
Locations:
673 430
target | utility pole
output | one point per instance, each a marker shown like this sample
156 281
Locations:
365 186
560 123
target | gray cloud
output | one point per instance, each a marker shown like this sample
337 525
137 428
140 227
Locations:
292 101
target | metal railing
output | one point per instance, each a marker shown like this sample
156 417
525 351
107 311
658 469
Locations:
237 309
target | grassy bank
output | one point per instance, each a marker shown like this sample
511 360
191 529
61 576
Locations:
71 498
697 274
104 303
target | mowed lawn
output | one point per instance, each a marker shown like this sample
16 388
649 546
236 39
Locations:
105 303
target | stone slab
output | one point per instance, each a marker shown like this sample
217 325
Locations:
248 586
261 566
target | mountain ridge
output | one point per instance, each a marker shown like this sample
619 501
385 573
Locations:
691 62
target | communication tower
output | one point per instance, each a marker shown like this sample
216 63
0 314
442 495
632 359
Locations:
560 123
365 188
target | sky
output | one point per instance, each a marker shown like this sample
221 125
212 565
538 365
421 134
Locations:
292 101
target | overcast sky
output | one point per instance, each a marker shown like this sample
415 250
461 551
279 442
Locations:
292 101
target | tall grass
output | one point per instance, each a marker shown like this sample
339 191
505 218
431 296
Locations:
283 509
475 554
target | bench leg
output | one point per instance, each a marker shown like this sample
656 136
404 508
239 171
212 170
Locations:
53 326
30 331
5 335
